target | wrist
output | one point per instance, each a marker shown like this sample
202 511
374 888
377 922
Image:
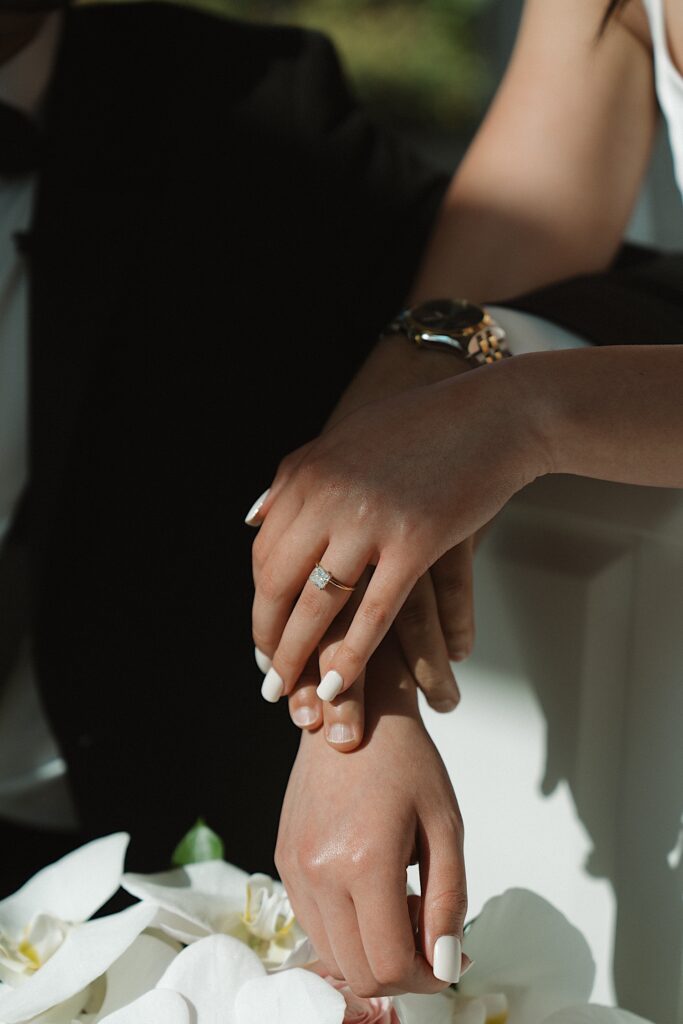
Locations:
535 411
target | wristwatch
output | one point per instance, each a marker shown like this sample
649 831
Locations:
454 324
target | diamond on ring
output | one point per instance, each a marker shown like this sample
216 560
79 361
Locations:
320 577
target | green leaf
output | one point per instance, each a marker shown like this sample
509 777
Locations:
201 843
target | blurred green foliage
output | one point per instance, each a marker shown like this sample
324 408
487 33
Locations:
418 63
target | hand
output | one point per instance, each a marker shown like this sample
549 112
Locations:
396 485
349 829
436 623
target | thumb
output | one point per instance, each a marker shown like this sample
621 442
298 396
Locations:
444 899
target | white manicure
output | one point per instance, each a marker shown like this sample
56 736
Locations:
262 660
447 959
330 686
256 508
273 686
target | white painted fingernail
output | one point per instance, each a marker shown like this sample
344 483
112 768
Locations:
262 660
255 509
340 733
304 717
273 686
330 686
447 959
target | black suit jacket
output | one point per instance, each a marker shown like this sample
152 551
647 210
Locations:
219 234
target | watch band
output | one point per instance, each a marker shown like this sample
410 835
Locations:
480 341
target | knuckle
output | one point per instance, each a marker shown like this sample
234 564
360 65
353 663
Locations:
452 902
454 587
264 641
414 616
364 988
392 970
374 614
268 587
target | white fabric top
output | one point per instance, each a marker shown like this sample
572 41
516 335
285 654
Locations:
669 83
32 773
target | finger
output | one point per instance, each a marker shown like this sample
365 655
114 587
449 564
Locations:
309 917
453 586
420 634
278 585
444 898
264 502
305 707
389 938
391 583
341 922
344 718
315 609
281 518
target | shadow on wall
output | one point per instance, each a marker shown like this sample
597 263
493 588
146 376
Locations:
588 582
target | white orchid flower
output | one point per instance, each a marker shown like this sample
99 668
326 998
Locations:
215 898
219 980
531 966
50 953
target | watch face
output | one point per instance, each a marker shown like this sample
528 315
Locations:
447 316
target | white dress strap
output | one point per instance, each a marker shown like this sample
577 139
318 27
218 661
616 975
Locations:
669 83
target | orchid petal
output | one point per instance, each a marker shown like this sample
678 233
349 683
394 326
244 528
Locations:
157 1007
524 947
65 1012
593 1014
211 895
136 972
472 1012
88 950
295 997
209 975
415 1009
302 955
72 888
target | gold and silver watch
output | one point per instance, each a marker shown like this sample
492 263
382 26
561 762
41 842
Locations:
456 325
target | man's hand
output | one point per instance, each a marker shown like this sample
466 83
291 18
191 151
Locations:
349 829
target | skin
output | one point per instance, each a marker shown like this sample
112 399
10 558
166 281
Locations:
545 192
347 875
525 213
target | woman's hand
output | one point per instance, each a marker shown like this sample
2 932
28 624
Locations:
349 829
394 485
434 625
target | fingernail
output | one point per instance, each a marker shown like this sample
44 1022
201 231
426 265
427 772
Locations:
273 686
447 959
459 655
304 717
262 660
330 686
255 509
340 733
443 706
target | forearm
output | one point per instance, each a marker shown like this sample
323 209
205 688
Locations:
395 365
613 413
